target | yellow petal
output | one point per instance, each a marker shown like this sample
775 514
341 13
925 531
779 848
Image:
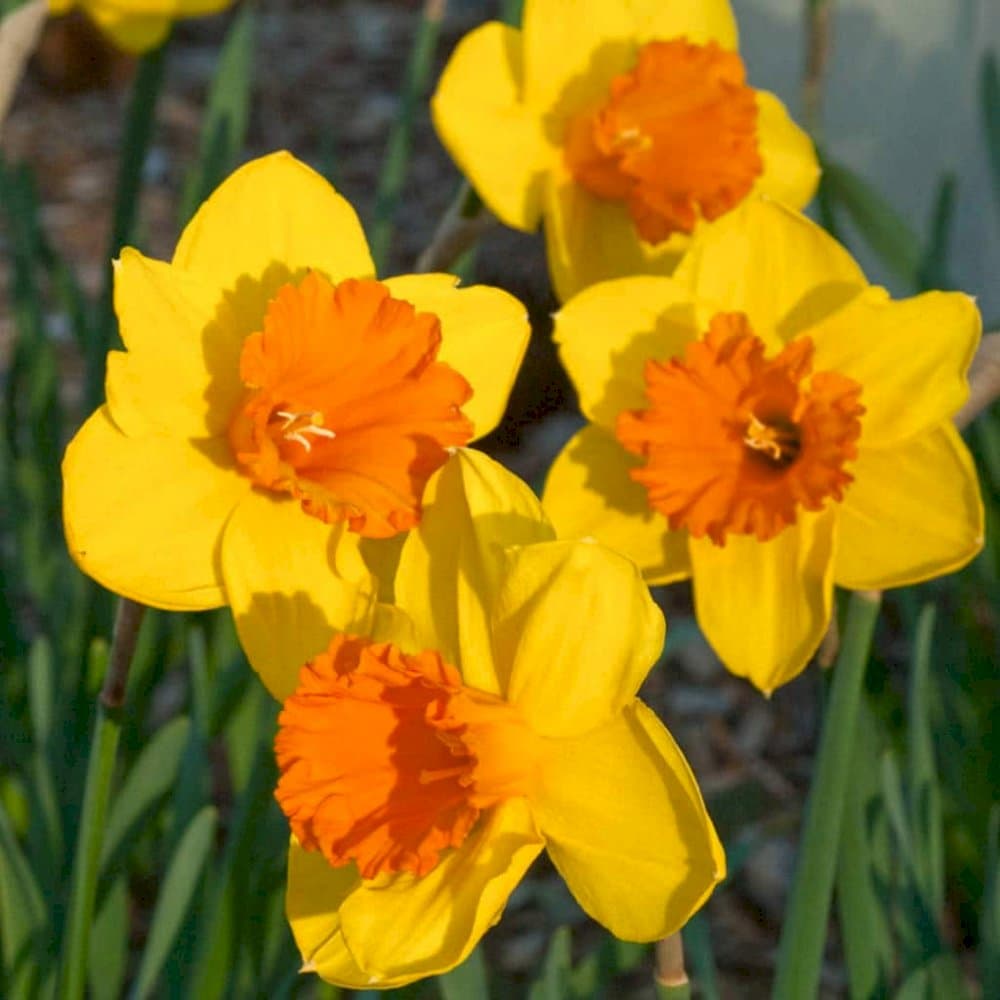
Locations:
589 494
130 32
589 239
773 264
575 633
268 221
791 169
401 928
449 570
626 826
481 120
484 336
697 20
608 332
312 902
910 358
912 513
573 48
764 606
144 515
292 581
180 374
173 9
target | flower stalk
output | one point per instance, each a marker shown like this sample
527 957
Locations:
97 790
800 956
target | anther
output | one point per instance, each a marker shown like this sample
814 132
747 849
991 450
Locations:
297 425
778 440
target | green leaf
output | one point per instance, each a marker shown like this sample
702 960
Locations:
224 128
132 158
90 836
864 863
806 918
24 929
41 690
882 228
921 942
109 940
922 777
46 836
554 982
989 926
696 935
176 895
146 785
511 12
468 982
397 156
933 272
989 92
226 913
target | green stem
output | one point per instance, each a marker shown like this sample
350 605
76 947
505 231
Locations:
97 790
800 955
135 144
397 157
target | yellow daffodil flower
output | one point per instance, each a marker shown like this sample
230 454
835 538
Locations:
622 124
138 25
768 423
493 715
275 402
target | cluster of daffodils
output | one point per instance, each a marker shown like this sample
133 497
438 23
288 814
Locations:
761 420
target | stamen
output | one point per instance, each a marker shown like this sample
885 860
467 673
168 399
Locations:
778 440
311 423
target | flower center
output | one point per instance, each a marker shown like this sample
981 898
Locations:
675 139
387 759
346 407
736 442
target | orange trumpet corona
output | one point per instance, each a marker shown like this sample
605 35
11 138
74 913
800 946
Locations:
736 442
675 140
346 406
387 759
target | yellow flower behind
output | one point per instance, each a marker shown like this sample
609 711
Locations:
769 424
622 125
492 715
138 25
275 403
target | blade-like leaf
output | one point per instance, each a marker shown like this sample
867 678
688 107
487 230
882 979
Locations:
24 930
468 982
989 926
880 225
922 777
146 785
864 864
176 895
554 983
989 92
224 128
109 943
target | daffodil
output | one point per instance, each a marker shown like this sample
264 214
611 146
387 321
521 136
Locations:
275 402
138 25
624 125
491 716
768 423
